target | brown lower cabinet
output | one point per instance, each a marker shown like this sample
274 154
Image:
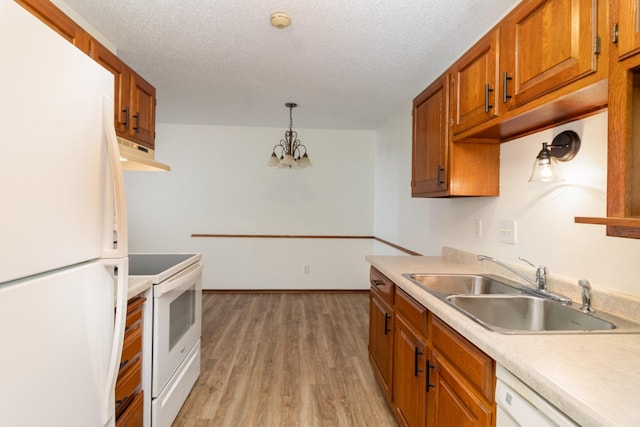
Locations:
438 377
409 375
129 393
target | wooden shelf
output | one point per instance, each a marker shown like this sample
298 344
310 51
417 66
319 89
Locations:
620 227
620 222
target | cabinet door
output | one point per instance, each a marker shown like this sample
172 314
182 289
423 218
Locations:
451 402
430 139
143 111
409 384
475 84
549 43
48 13
381 341
628 27
120 72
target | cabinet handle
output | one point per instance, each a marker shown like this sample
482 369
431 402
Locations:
120 402
137 126
377 282
440 176
429 368
505 94
416 365
126 117
387 317
487 89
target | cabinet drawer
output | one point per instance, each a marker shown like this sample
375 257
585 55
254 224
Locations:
381 285
133 415
132 346
473 365
128 383
412 311
134 311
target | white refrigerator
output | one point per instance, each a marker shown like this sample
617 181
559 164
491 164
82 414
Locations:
63 231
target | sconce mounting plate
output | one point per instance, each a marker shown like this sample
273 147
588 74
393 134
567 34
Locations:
565 145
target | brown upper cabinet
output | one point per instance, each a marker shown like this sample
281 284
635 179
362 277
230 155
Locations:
134 98
623 155
440 167
548 44
120 71
627 28
544 64
431 139
475 84
143 110
48 13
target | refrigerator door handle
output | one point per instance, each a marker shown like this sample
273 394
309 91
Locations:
108 404
121 249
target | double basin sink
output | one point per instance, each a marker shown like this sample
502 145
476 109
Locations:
508 307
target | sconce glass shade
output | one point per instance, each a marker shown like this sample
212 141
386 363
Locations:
545 167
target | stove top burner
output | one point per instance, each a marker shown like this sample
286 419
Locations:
154 264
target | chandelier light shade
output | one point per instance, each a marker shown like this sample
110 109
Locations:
289 153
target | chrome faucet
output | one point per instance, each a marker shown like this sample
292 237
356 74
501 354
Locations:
541 279
541 272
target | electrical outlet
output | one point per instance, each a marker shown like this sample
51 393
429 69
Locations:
508 231
306 269
477 227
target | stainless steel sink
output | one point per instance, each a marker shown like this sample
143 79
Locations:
526 313
466 284
511 308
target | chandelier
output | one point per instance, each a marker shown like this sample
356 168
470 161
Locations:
292 153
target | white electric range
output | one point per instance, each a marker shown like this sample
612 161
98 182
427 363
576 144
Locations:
177 326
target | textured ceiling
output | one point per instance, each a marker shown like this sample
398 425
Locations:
349 64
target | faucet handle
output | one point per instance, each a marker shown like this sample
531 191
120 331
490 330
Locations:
540 268
541 274
529 262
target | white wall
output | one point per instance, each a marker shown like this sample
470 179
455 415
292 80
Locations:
219 184
546 232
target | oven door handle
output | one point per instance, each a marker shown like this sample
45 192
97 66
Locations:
182 279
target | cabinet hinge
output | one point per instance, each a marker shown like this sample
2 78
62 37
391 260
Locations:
614 34
596 45
450 122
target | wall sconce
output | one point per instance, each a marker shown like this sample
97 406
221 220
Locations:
564 147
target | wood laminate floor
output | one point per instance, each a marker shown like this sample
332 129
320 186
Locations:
285 360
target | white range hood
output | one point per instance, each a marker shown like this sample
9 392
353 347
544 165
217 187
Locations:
138 158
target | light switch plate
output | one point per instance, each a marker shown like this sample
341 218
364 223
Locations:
477 227
508 231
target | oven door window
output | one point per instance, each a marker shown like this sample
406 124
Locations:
182 314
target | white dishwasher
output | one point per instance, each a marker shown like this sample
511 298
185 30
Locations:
520 406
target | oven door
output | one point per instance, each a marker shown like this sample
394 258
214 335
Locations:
177 322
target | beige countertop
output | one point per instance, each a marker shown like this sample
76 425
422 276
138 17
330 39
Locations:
137 286
593 378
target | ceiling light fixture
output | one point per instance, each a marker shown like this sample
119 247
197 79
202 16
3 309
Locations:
564 147
280 20
291 150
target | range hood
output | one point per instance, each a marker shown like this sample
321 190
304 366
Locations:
135 157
